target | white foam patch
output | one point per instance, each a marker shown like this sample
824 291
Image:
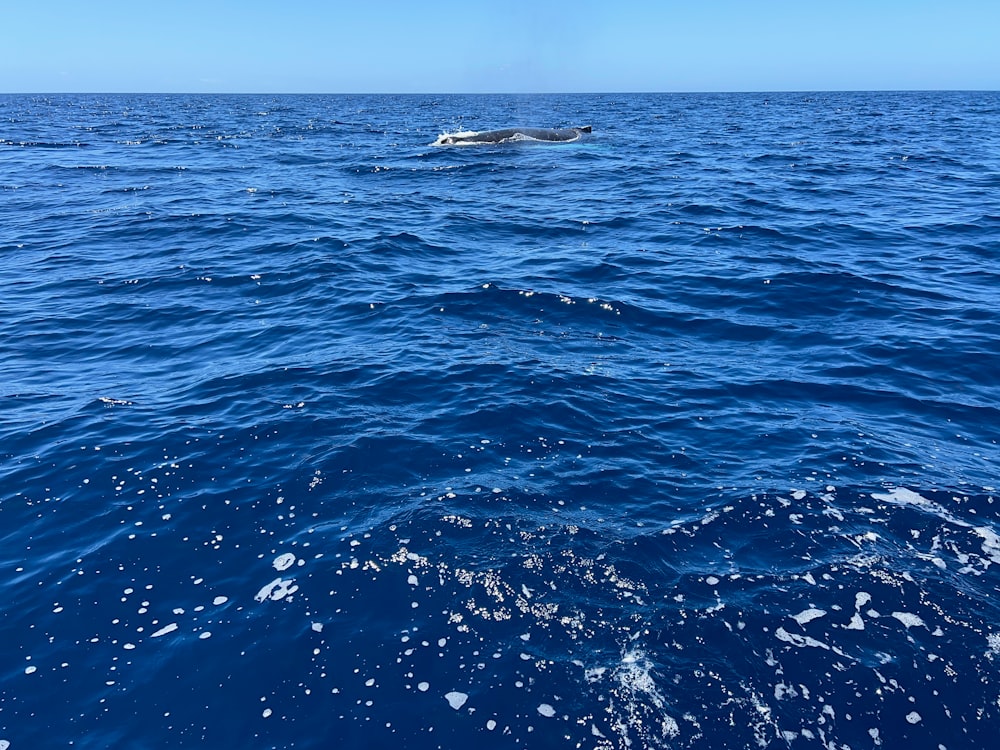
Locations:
164 630
594 674
455 699
801 641
856 623
904 496
635 678
808 615
909 620
861 599
276 590
284 562
546 710
991 540
804 641
991 543
783 691
993 641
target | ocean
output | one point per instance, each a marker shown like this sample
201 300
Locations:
683 434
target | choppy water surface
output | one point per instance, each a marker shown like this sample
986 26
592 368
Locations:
682 435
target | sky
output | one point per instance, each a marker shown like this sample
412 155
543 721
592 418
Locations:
485 46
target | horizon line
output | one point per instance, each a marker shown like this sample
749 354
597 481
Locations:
501 93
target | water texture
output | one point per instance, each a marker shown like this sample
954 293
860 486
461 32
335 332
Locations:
682 435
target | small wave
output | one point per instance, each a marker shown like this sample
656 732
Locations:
44 144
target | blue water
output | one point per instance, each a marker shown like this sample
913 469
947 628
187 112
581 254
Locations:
683 435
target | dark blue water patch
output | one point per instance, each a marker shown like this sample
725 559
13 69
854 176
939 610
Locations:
637 619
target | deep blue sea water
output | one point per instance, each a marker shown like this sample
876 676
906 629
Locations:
684 435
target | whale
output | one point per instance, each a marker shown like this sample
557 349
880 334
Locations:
512 135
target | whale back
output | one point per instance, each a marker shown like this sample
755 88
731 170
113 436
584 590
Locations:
512 135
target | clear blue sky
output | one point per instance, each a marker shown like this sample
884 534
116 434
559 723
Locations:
331 46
